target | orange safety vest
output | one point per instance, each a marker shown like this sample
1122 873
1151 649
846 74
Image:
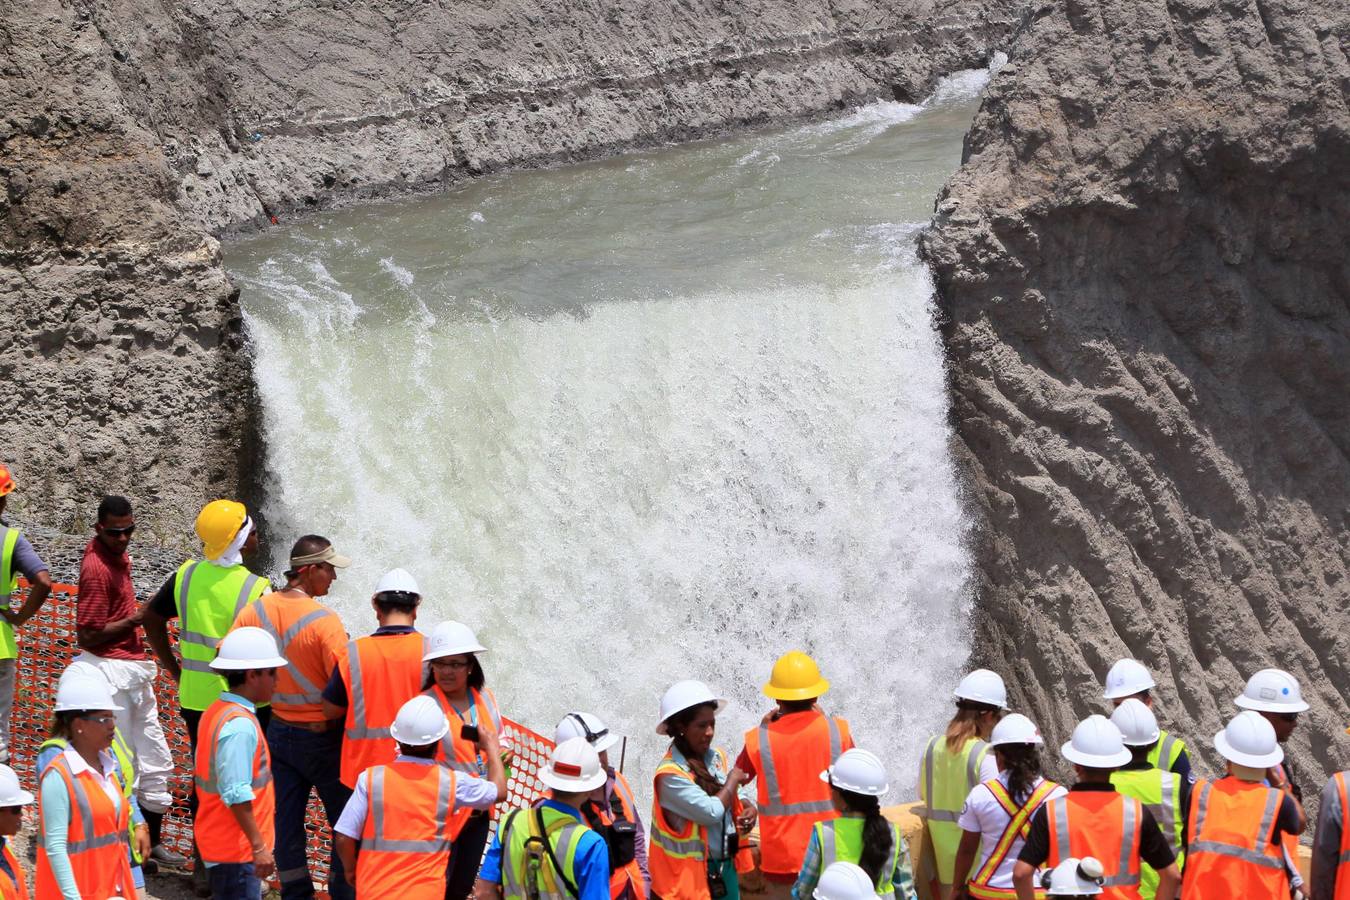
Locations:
410 823
1017 829
630 875
457 753
299 693
13 887
1342 891
219 837
1103 824
95 838
677 858
788 760
1230 853
380 674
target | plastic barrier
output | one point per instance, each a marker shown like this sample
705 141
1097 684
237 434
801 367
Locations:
47 645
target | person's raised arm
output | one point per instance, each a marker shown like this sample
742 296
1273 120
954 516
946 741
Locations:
40 587
491 747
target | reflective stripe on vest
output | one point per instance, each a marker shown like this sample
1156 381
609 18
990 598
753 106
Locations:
360 729
563 833
261 778
1019 824
308 692
975 751
445 792
89 839
775 805
1342 881
9 539
485 706
1058 813
831 850
200 684
1252 854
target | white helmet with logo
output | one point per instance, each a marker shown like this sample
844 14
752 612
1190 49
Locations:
1272 690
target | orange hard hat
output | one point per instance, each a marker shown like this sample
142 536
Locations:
6 480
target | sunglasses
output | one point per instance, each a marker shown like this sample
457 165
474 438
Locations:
1291 718
454 664
100 718
120 532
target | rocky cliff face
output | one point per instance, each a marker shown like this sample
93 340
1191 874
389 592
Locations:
132 131
1143 269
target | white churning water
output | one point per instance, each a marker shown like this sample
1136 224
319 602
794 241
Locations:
663 416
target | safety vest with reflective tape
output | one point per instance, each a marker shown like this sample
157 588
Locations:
1342 882
628 879
1231 853
381 673
1160 792
9 581
1104 824
841 840
945 779
410 823
677 857
1166 751
218 835
95 838
126 768
790 794
13 884
209 598
456 752
299 693
1011 841
526 865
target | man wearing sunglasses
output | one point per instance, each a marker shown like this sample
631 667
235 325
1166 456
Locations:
108 629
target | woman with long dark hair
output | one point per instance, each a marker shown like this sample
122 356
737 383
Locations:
861 834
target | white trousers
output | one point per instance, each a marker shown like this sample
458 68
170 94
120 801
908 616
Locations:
133 686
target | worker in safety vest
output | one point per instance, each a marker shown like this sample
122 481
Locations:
378 673
306 745
785 755
1129 679
997 814
611 811
205 596
1165 794
844 881
549 853
1331 844
1275 694
405 813
1093 819
1074 879
17 557
1236 823
234 827
13 798
952 764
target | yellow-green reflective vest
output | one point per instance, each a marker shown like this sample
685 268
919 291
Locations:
1160 792
126 764
1166 752
9 580
208 597
841 840
527 871
945 778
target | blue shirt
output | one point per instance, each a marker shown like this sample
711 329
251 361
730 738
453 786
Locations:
685 799
235 749
592 860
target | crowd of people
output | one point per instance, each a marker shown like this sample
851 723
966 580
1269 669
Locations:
402 741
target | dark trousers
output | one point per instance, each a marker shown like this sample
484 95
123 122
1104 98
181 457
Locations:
466 855
302 761
234 881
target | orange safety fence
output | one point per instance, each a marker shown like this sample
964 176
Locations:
47 645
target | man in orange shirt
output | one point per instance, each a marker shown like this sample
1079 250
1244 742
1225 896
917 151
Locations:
306 747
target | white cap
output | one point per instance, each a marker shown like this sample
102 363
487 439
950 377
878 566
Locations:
1249 740
247 648
1272 690
1138 726
683 694
80 693
419 722
844 881
397 581
859 772
574 767
585 725
1127 678
1096 744
11 792
451 639
1074 878
983 686
1015 728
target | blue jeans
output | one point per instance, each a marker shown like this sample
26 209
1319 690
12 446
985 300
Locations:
233 881
302 761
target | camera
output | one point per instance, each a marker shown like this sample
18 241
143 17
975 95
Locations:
717 887
469 733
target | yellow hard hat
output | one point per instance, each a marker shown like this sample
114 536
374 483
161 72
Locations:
795 677
218 523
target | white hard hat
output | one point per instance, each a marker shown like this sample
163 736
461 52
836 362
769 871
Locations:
1272 690
83 693
683 694
1138 726
574 767
1096 744
247 648
1074 878
844 881
419 722
451 639
1127 678
983 686
11 792
1015 728
858 771
1249 740
397 581
585 725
